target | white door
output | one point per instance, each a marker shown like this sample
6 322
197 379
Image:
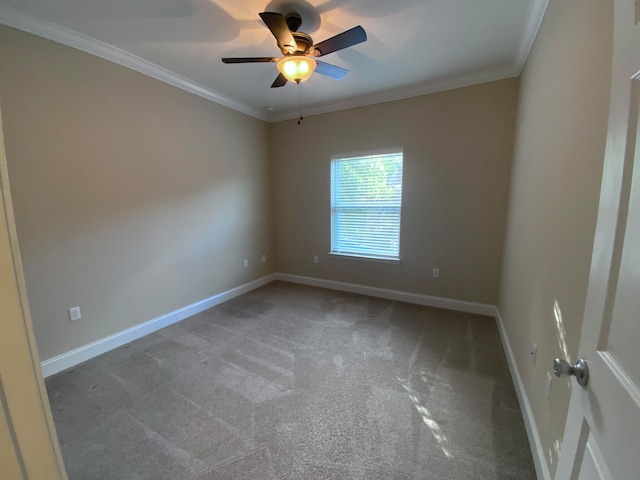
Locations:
602 435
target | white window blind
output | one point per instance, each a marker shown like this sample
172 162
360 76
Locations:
366 198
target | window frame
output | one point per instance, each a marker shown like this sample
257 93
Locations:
363 256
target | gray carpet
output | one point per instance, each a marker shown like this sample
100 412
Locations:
292 382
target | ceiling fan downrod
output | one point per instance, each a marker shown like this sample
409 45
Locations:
299 103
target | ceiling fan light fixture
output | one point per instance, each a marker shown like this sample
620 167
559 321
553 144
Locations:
297 68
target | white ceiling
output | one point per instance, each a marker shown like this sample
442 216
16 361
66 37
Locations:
414 46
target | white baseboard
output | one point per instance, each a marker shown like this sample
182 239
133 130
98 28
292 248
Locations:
74 357
416 298
66 360
539 459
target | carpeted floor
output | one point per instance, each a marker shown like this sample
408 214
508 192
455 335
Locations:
292 382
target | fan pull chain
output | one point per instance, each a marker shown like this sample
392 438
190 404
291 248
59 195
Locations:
299 103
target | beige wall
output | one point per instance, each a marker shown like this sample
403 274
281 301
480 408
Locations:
558 159
132 198
457 155
28 443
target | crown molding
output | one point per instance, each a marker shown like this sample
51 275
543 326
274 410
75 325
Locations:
398 94
535 15
51 31
537 9
79 41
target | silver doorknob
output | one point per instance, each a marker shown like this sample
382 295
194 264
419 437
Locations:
562 368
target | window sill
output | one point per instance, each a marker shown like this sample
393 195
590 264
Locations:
362 258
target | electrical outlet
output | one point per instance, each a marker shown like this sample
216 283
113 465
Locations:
74 314
246 263
533 353
436 273
315 259
264 258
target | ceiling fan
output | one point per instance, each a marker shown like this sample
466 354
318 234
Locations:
299 60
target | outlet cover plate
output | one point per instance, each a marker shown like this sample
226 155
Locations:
74 314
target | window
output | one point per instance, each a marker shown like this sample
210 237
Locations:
366 196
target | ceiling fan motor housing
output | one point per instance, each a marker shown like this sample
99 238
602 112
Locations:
303 40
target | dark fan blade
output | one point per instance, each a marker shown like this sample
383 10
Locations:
331 70
278 26
249 60
343 40
279 81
